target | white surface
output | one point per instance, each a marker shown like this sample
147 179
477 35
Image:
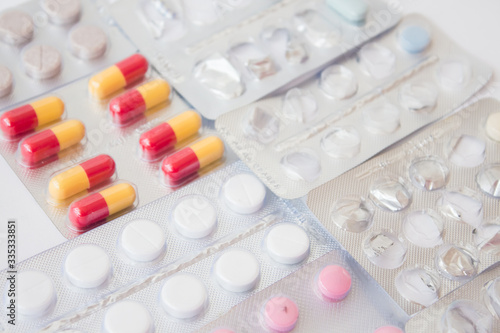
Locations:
87 266
195 217
35 293
493 126
183 296
128 317
237 270
244 193
287 244
142 240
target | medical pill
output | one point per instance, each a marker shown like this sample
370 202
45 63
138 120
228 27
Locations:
142 240
42 61
98 206
27 117
88 42
35 293
128 317
163 137
352 10
388 329
82 177
87 266
118 76
244 193
237 270
62 12
334 282
184 296
136 101
51 141
16 27
281 314
194 217
414 38
5 81
287 243
493 126
177 167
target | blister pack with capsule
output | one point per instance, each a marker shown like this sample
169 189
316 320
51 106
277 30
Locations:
48 43
422 217
104 144
473 307
401 81
222 55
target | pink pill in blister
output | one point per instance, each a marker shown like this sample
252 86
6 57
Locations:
334 282
281 314
388 329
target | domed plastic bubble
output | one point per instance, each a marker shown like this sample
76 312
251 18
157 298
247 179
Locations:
256 61
429 173
319 31
414 38
301 165
352 213
466 151
377 61
382 118
418 96
418 285
488 180
487 237
390 193
281 41
338 82
453 73
456 262
385 249
261 125
491 296
423 228
461 205
466 316
163 19
300 105
341 142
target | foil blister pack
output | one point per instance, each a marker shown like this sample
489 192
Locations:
422 218
407 78
249 49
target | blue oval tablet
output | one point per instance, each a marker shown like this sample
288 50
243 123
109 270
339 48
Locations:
351 10
414 39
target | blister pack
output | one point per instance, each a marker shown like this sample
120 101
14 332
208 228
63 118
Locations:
48 43
222 55
422 217
403 80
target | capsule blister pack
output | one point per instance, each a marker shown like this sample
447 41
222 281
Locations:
422 217
248 49
48 43
403 80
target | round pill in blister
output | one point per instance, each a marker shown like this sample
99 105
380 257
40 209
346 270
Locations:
42 61
244 193
281 314
142 240
88 42
87 266
493 126
237 270
183 296
414 38
195 217
35 293
16 27
128 317
388 329
5 81
62 12
334 282
287 243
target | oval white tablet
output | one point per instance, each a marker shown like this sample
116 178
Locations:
237 270
287 244
183 296
244 193
87 266
128 317
35 293
194 217
142 240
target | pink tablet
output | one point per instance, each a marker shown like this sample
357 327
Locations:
334 282
281 314
388 329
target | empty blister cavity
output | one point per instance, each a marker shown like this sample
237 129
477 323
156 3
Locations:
62 12
465 316
283 44
87 266
142 240
287 244
244 193
385 249
429 173
488 180
414 38
493 126
194 217
418 96
300 105
163 18
390 193
466 151
456 262
423 228
319 31
237 270
184 296
418 285
6 81
36 294
461 205
16 27
42 61
491 296
381 118
88 42
333 283
219 76
338 82
487 237
377 61
341 142
128 317
280 314
258 63
201 12
301 165
354 10
261 125
453 73
353 214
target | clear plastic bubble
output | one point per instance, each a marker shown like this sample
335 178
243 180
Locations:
201 12
466 151
453 73
341 142
381 118
456 262
300 105
488 180
390 193
385 249
281 41
353 214
466 316
258 63
302 165
429 173
418 285
338 82
261 125
377 60
491 296
423 228
461 205
163 19
418 96
487 237
319 31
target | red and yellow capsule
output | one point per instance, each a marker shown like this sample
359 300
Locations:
82 177
136 101
163 137
96 207
118 76
51 141
177 167
27 117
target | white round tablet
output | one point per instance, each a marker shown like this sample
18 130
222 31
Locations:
62 12
194 217
128 317
183 296
35 293
88 42
142 240
87 266
244 193
42 61
287 243
237 270
16 27
5 81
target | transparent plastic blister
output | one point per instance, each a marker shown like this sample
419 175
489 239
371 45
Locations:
297 140
46 44
443 235
247 49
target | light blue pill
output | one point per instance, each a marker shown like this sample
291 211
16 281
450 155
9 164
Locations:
414 39
351 10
